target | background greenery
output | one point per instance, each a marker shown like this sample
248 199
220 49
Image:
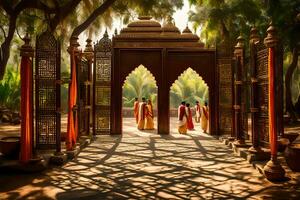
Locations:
189 87
10 90
139 83
218 19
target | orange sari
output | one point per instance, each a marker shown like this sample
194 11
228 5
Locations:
149 124
136 111
204 118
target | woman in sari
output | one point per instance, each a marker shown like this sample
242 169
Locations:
182 119
190 124
204 118
149 124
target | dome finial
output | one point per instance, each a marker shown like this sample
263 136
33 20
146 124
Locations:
187 30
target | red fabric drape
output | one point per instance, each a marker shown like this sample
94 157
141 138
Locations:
190 124
272 125
181 112
72 128
26 110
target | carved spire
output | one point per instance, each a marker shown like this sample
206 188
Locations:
105 35
187 30
254 36
104 44
26 49
240 42
88 46
272 39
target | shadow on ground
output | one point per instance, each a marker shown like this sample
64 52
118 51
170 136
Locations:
135 166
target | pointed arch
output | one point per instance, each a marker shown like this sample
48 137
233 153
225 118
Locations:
139 83
189 86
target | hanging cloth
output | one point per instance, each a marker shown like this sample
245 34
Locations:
72 127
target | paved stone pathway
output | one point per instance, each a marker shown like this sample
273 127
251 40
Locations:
143 165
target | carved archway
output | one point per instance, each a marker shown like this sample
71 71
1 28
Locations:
139 83
166 52
189 87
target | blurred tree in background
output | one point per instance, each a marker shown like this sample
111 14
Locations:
225 20
189 87
10 90
139 83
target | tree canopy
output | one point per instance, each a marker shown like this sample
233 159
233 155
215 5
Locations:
66 17
218 19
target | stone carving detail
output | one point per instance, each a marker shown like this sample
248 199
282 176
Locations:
102 85
47 91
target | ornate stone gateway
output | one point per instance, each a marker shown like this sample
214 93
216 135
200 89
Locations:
166 53
47 91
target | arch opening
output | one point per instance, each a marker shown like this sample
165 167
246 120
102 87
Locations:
189 87
140 83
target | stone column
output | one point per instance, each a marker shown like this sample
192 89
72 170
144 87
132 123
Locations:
272 170
239 59
254 149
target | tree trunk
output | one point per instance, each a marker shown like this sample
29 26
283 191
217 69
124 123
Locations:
288 82
60 14
100 10
5 47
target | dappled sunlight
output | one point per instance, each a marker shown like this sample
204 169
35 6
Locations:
150 166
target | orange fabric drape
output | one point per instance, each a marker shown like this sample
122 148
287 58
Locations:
272 121
72 128
136 111
26 110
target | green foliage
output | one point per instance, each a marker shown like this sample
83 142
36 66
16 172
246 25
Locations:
295 86
139 83
189 87
226 19
10 90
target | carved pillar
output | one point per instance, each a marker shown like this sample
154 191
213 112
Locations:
254 37
239 59
273 170
26 70
89 55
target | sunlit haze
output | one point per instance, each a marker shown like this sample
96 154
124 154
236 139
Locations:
180 18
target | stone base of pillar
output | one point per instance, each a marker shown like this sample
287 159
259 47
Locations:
58 158
72 153
34 165
231 139
273 171
255 150
239 143
257 154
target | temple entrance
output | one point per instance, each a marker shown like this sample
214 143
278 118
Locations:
189 87
166 52
140 83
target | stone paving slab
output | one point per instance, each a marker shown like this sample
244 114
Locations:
144 165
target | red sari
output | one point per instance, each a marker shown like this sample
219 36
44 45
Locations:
190 124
